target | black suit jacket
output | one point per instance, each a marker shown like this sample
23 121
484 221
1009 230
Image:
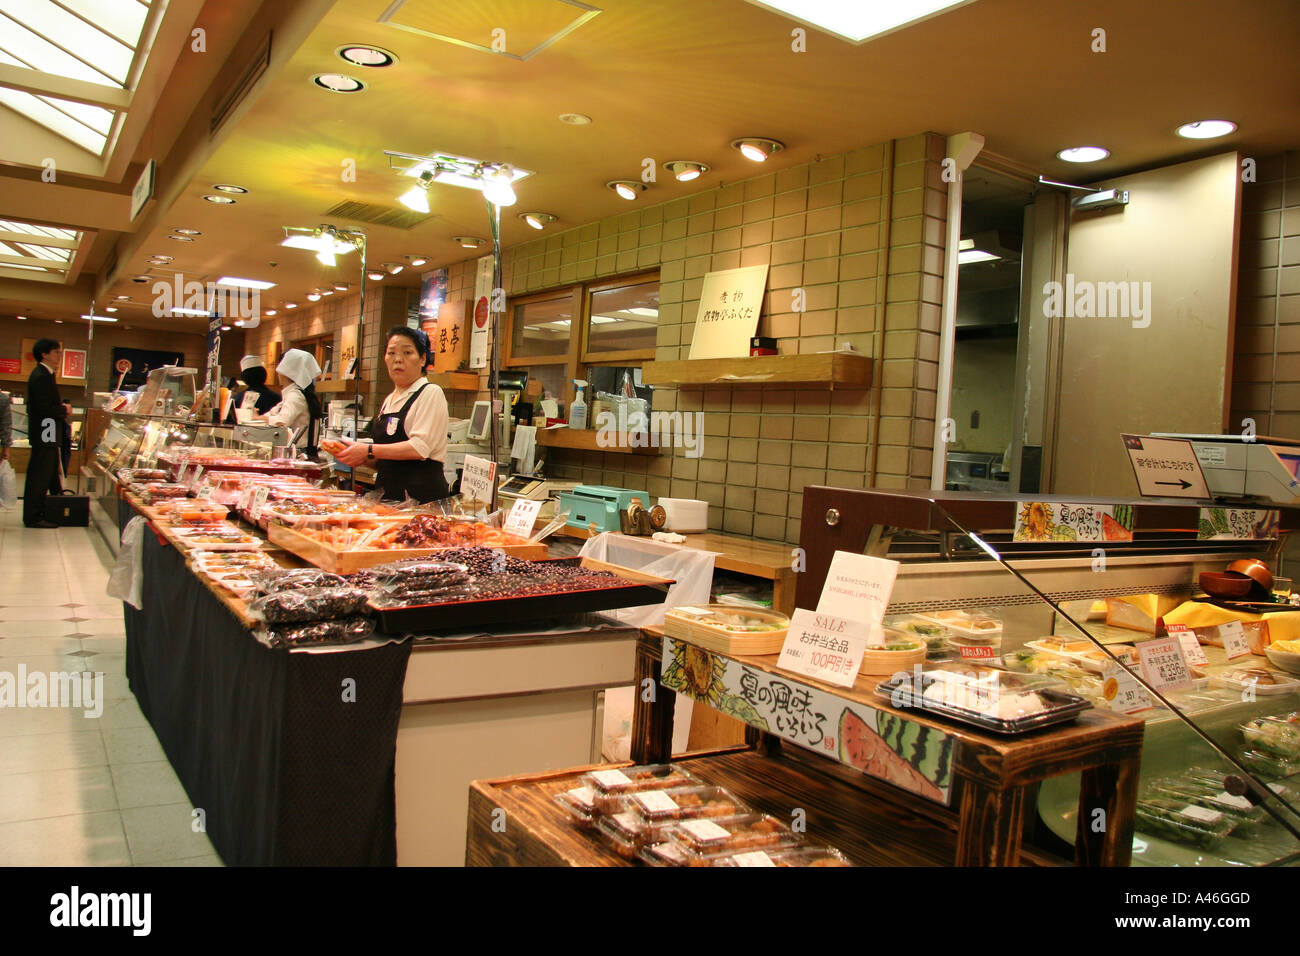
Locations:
43 402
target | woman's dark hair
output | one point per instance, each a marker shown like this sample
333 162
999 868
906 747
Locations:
44 347
417 337
254 377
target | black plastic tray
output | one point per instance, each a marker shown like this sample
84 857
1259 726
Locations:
459 615
1067 707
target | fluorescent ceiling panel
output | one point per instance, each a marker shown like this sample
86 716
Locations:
859 20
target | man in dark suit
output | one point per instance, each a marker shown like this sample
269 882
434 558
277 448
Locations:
47 420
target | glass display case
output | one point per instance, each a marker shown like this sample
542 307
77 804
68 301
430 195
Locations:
1122 604
137 441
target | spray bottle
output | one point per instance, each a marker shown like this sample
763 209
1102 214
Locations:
578 409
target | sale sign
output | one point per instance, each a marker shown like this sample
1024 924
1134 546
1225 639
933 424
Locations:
1163 664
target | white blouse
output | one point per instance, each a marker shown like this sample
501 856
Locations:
426 422
292 413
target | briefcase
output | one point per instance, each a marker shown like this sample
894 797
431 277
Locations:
68 510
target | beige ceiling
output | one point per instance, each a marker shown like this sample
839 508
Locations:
666 80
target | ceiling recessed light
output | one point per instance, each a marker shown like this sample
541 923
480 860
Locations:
469 242
269 312
417 261
239 323
195 312
110 308
159 255
1083 154
393 268
228 188
238 283
313 296
187 232
1207 129
362 54
291 305
340 287
375 276
685 170
628 189
99 318
325 291
123 298
21 318
575 119
183 238
757 148
537 220
417 197
58 321
338 83
220 200
225 328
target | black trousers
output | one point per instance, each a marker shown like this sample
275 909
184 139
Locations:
42 479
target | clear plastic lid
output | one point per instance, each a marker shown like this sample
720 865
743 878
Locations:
739 832
1183 822
1203 794
1278 735
682 803
579 803
617 781
787 856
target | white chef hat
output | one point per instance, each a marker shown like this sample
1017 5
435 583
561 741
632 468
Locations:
299 366
251 361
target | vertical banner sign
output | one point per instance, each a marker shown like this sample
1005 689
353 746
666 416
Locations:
478 343
214 347
730 303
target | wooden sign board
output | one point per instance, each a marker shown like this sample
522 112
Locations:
450 341
730 304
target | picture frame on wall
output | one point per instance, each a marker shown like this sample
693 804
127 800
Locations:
74 364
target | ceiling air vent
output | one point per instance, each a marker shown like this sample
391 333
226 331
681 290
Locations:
378 215
242 83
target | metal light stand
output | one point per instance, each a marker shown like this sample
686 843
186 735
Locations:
494 221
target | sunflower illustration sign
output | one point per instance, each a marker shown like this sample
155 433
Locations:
1061 521
887 746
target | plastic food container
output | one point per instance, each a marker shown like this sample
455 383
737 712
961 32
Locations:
790 856
198 511
1263 682
580 804
643 818
901 651
994 699
726 627
611 784
217 537
701 839
1197 792
1183 822
1274 735
934 635
1268 764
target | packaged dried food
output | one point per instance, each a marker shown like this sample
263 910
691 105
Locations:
1275 735
701 839
580 803
1183 822
217 537
611 784
346 630
789 856
247 561
198 511
275 580
312 604
419 575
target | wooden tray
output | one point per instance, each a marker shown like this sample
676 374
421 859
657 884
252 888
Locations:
723 641
345 562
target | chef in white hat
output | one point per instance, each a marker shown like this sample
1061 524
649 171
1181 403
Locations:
299 409
257 398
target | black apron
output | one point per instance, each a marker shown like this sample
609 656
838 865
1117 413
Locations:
422 479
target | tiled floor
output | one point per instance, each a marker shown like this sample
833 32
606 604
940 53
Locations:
78 790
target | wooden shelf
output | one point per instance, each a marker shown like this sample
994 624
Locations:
342 386
820 370
585 440
455 381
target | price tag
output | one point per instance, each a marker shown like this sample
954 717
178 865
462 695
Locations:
477 478
1123 692
1201 814
753 858
522 517
1231 800
245 496
1192 650
976 651
206 488
259 502
1234 639
584 797
705 830
1163 664
655 801
195 478
609 779
824 647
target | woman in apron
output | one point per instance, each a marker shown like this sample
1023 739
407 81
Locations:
299 410
409 435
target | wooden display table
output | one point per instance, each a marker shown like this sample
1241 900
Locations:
990 779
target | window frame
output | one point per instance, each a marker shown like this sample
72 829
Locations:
617 357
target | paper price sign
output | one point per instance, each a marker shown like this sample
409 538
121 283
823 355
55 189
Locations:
245 496
1123 692
858 587
824 647
1234 639
522 517
976 652
259 502
205 489
1163 664
477 478
194 479
1192 650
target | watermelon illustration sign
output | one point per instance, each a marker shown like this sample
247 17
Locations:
887 746
1059 521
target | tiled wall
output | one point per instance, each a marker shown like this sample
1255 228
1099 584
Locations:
1266 373
821 227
